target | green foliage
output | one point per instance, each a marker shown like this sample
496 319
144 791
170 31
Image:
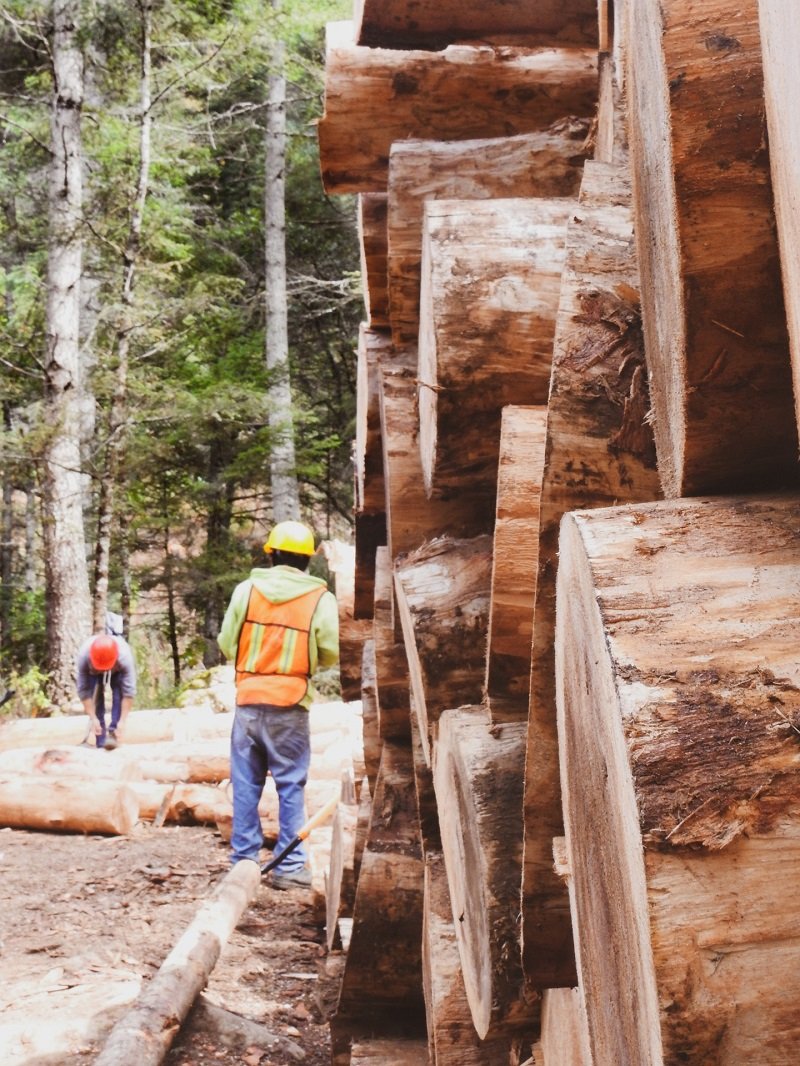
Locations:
30 698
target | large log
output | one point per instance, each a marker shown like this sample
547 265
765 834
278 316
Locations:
370 534
714 319
75 761
372 208
442 594
545 163
369 702
477 774
391 666
409 24
599 451
145 1033
370 491
33 801
780 32
375 96
515 558
412 519
451 1035
377 1051
141 727
678 717
491 276
382 983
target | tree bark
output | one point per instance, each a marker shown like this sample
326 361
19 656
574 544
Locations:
30 801
678 714
145 1033
283 466
599 450
442 595
546 163
515 556
69 615
780 30
478 773
374 97
404 24
372 208
718 353
487 319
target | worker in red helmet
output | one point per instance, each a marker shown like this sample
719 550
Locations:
103 660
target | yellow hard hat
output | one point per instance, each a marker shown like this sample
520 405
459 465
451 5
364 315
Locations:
291 537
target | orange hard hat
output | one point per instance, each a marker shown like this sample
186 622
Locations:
103 652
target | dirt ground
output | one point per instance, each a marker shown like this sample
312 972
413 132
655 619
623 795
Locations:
84 920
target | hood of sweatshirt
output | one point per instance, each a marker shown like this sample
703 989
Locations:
282 583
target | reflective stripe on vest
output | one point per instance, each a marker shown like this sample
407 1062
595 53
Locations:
272 657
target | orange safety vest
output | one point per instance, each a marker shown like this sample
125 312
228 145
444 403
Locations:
272 657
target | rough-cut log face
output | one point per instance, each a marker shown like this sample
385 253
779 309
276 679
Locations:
780 32
491 278
515 561
599 451
478 772
714 318
372 215
411 518
370 493
412 24
679 711
442 594
375 96
370 534
451 1034
547 163
390 656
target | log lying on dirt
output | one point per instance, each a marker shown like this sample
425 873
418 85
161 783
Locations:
407 24
451 1034
442 595
412 519
372 208
31 801
678 719
141 727
717 351
375 96
547 163
381 988
780 32
478 774
515 558
491 277
599 451
145 1033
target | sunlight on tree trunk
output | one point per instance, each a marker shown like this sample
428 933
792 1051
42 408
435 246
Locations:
113 474
69 609
283 471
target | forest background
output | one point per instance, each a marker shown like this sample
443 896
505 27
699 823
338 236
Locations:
170 407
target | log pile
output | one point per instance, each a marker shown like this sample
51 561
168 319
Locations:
581 657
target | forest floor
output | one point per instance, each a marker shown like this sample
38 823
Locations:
86 920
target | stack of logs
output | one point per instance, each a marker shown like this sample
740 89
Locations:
573 625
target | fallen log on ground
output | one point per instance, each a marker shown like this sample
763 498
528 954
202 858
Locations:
75 761
145 1033
29 801
141 727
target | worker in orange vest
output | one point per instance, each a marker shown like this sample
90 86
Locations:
280 626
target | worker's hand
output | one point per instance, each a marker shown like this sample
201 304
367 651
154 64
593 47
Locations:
98 729
120 730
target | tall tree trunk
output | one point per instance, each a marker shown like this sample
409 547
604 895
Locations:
114 470
285 493
6 547
218 525
169 586
68 602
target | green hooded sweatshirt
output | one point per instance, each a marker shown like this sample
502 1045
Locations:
279 584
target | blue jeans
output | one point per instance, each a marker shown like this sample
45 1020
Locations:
277 740
99 696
